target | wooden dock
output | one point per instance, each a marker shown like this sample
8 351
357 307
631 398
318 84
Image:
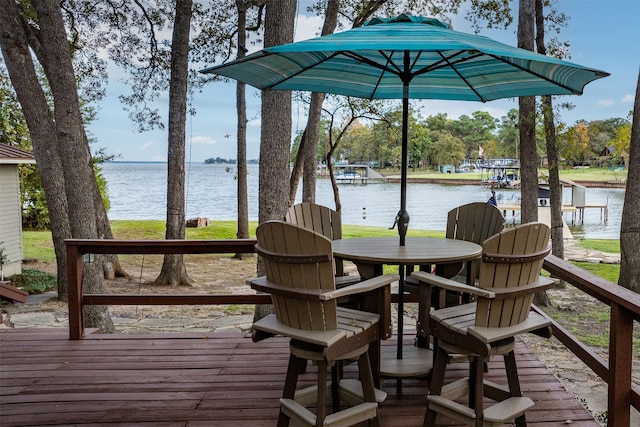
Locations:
544 215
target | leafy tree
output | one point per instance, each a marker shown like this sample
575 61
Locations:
59 141
575 147
621 142
420 144
448 149
15 132
508 135
475 131
440 122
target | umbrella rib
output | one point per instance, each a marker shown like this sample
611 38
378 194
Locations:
271 86
444 62
453 67
540 76
386 68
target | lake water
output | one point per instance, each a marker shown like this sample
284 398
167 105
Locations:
139 191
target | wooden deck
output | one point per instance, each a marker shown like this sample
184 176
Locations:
199 380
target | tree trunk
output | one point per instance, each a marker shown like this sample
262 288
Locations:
241 106
312 131
174 271
71 142
17 57
542 299
630 225
275 139
528 152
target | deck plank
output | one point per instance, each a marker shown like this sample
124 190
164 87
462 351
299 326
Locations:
221 379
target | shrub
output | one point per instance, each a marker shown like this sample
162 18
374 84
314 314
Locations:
34 281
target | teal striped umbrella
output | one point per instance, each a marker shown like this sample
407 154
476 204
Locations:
408 57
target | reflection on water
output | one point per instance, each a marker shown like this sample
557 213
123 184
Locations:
138 191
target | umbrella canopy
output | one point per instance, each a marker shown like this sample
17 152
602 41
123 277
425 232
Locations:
408 57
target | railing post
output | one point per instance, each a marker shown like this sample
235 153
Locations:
74 292
620 364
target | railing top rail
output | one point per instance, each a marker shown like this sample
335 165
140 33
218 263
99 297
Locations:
597 287
111 246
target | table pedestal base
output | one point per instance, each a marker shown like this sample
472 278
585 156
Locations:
416 362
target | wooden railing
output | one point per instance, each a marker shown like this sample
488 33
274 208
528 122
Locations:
76 248
624 305
625 309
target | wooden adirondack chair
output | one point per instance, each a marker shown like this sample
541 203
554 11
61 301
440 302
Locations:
325 221
474 222
300 279
509 278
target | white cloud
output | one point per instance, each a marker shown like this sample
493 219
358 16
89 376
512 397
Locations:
146 145
204 140
307 27
628 99
606 103
254 123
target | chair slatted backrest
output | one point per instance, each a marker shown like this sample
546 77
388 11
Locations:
474 222
301 260
511 259
318 218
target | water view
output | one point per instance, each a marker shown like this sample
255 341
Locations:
138 191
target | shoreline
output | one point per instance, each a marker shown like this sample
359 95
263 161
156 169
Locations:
462 181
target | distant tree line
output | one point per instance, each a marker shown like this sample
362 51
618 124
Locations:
221 161
439 140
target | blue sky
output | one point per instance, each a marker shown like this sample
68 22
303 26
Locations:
603 34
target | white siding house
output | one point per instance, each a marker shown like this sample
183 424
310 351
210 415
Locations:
10 210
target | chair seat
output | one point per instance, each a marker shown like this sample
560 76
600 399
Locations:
350 322
461 319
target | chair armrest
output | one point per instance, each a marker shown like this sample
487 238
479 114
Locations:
543 283
452 285
262 284
360 287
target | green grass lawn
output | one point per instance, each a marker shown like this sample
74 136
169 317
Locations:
588 174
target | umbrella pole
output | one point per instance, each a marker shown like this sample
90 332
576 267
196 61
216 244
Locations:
403 215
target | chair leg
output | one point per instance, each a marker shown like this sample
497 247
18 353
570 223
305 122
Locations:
476 383
336 375
295 368
435 387
321 402
514 383
368 386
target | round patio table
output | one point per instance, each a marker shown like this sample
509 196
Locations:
370 254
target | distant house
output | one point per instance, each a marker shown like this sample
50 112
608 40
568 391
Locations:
10 209
607 151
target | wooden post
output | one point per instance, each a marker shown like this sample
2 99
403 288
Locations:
74 292
620 364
